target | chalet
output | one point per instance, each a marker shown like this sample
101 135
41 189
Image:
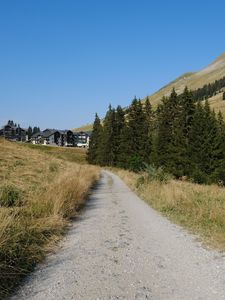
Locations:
46 137
82 139
14 132
54 137
66 138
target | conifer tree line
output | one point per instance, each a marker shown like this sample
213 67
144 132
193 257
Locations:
184 137
209 90
32 131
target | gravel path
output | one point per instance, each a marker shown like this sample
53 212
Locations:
120 248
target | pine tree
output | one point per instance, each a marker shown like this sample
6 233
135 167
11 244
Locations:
148 139
93 155
137 132
36 129
168 113
202 143
218 172
180 162
119 127
29 132
125 148
196 145
108 142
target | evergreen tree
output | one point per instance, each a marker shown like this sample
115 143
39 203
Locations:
223 95
119 127
180 161
29 132
137 131
108 142
124 149
35 130
93 155
167 118
202 143
218 173
148 139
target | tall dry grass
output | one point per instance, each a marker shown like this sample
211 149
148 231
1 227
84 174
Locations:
199 208
52 192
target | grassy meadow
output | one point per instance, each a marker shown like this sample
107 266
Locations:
41 188
70 154
198 208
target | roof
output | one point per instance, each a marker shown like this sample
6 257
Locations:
83 132
64 131
49 132
36 134
45 134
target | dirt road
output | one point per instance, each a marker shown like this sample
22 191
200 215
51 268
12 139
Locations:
122 249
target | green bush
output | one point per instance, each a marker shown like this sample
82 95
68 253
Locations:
10 196
158 174
199 177
136 164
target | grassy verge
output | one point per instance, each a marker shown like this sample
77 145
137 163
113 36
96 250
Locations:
65 153
39 193
199 208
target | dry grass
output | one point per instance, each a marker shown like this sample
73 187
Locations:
87 127
53 191
199 208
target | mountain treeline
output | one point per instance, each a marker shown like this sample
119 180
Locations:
184 137
209 90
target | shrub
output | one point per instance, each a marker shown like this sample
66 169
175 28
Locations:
199 177
10 196
158 174
136 164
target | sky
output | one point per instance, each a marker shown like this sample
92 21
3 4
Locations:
63 60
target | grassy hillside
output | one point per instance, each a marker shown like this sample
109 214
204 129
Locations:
68 154
213 72
87 127
193 81
39 193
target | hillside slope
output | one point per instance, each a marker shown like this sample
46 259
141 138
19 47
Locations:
214 71
209 74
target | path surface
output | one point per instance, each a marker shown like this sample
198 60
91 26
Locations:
122 249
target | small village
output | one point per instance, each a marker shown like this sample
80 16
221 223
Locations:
53 137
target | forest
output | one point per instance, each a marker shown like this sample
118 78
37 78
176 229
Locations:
183 136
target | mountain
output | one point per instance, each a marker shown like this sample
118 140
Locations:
193 80
209 74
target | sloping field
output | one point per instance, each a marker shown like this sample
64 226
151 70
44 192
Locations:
39 193
193 81
213 72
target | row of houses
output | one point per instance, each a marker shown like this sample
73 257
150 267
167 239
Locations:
61 138
54 137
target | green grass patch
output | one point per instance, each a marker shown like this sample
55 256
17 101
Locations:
70 154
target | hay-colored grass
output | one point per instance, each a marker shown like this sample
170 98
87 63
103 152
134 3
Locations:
199 208
53 191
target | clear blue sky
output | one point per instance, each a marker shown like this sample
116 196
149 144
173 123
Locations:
62 61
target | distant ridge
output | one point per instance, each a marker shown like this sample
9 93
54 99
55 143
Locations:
193 80
214 71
